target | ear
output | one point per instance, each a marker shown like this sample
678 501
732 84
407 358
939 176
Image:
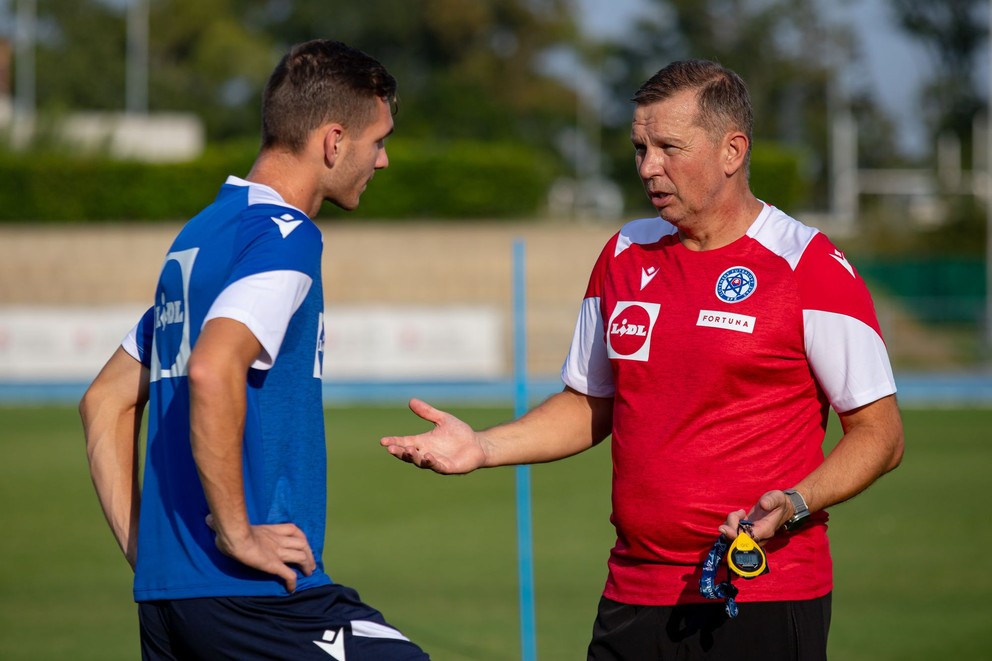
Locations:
735 151
332 137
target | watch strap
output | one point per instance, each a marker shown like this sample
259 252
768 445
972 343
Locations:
800 510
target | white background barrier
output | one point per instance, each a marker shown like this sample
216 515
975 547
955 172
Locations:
70 344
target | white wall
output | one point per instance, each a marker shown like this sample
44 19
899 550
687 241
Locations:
70 344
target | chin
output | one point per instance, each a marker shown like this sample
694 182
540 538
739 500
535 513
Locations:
346 206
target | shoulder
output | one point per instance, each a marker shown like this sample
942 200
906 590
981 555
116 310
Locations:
783 235
640 232
266 213
280 223
811 255
643 231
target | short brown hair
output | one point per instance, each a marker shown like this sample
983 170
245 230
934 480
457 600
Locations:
724 100
322 81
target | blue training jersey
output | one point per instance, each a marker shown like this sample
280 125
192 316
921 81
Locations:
248 235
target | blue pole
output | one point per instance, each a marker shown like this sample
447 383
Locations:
525 555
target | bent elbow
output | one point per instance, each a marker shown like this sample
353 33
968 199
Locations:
89 406
83 409
200 374
897 448
897 454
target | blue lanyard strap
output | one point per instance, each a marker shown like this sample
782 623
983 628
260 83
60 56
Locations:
708 587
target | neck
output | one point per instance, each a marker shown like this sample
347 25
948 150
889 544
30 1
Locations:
720 227
284 173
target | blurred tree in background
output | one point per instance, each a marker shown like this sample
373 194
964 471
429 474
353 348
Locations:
470 82
205 59
466 69
785 50
80 59
517 76
511 109
202 59
955 32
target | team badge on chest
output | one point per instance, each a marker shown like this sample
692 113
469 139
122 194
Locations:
628 333
735 284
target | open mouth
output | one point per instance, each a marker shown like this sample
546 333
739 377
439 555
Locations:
658 198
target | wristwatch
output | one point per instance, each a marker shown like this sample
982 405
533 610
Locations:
801 512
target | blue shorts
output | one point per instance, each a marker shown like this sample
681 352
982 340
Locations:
323 623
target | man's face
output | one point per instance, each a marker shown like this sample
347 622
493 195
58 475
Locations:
679 163
362 152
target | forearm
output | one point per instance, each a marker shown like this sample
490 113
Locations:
112 452
217 412
871 446
565 424
111 413
217 373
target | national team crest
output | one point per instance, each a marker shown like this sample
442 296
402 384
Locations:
735 284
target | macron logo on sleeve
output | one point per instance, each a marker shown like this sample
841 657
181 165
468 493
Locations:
286 224
842 260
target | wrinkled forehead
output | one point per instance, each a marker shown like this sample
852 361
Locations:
677 112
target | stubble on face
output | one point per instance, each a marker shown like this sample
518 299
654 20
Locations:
677 158
362 153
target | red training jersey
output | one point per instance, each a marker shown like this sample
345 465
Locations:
722 365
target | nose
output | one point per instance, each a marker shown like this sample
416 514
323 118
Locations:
649 164
382 160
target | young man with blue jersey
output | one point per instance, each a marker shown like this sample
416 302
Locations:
226 533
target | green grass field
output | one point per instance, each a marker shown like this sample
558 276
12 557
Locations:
438 554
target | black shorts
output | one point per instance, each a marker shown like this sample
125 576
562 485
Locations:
765 631
324 623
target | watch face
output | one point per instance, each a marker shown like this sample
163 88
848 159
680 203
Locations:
746 561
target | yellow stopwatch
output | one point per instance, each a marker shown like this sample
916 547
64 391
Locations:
746 557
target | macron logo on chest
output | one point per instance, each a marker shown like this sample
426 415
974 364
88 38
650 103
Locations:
286 224
647 275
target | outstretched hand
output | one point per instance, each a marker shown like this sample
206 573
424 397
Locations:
768 515
271 549
450 447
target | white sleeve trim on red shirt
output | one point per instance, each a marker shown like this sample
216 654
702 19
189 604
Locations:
587 368
642 231
264 302
782 234
848 359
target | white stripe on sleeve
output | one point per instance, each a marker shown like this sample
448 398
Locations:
130 343
264 302
587 367
848 359
369 629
